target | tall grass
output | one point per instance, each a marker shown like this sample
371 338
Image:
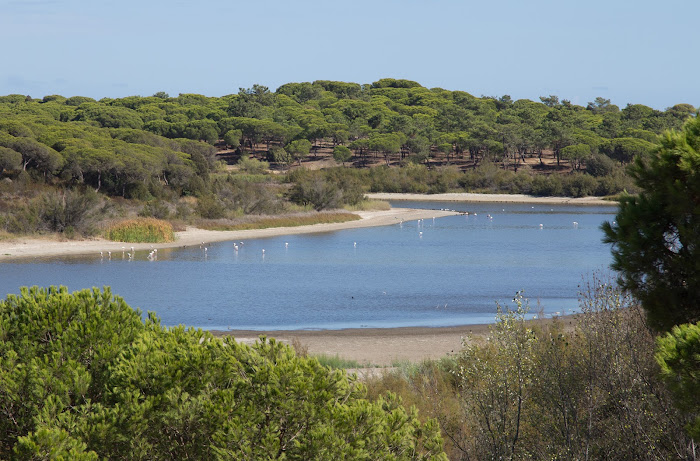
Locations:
369 205
141 230
336 362
279 221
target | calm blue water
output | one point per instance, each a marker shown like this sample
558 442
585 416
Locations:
388 276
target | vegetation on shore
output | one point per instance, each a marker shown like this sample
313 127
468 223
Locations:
587 389
193 157
279 221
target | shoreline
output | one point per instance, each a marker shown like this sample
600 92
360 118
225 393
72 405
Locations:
490 198
27 248
383 347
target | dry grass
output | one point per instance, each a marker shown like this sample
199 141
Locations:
369 205
278 221
141 230
4 235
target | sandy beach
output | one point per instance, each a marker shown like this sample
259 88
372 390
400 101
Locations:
493 198
381 347
45 247
375 347
35 248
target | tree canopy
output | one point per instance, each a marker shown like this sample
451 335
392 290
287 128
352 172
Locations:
656 236
83 377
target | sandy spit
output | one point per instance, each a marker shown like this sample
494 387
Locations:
37 248
493 198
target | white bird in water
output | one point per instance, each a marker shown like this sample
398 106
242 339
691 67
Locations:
541 226
354 244
109 253
286 244
575 224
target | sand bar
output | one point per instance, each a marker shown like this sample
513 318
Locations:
493 198
37 248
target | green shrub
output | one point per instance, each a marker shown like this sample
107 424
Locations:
83 377
155 209
210 207
69 209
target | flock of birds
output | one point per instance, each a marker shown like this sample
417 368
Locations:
153 253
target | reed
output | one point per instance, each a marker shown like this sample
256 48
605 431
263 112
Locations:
369 205
279 221
141 230
335 362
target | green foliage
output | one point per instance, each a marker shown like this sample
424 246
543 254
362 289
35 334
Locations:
336 362
655 238
582 387
210 207
155 209
232 138
576 154
496 378
253 165
9 159
123 146
141 230
68 210
678 354
317 192
56 353
84 378
299 149
599 165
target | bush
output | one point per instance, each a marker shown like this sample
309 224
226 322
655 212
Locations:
579 185
599 165
252 165
585 389
141 230
210 207
318 193
69 209
83 377
155 209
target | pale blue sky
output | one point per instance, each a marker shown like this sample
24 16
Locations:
630 51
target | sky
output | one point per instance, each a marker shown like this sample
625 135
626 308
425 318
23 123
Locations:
628 51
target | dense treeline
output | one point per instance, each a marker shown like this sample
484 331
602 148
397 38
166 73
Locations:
163 148
118 145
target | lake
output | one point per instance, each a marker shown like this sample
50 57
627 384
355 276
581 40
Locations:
442 272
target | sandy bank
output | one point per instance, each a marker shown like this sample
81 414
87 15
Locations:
493 198
380 346
35 248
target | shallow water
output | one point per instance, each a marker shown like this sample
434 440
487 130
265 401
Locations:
447 271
